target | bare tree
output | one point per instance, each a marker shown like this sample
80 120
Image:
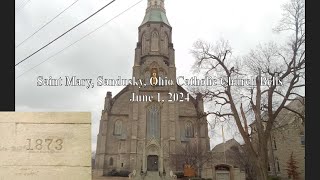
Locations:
239 155
191 154
278 72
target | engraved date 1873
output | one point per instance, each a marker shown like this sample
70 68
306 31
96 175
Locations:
45 144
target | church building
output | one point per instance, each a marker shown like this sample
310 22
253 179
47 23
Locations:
144 136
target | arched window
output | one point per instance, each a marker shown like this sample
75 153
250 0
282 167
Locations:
166 44
153 121
111 162
155 41
161 75
117 128
302 139
145 44
189 129
147 76
278 164
274 143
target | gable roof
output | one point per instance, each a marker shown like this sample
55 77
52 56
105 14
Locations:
228 144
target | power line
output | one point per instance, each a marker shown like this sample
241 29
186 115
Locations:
46 24
80 39
65 32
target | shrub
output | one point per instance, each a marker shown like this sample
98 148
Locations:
179 174
113 172
123 173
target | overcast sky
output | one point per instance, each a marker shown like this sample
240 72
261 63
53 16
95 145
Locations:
109 51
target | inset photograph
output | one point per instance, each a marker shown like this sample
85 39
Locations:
45 146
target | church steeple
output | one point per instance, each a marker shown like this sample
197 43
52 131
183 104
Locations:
155 52
155 12
156 4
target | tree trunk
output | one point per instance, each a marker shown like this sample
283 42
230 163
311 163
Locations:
261 169
262 174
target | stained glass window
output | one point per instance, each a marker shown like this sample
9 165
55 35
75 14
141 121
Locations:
153 121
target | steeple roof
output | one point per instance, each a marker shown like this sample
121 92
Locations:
155 12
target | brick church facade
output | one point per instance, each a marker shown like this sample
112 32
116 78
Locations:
143 137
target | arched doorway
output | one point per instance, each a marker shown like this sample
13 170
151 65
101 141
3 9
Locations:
152 163
222 172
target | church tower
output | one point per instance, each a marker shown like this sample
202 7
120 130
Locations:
145 136
154 52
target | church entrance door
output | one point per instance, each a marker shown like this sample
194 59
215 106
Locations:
222 172
223 175
152 163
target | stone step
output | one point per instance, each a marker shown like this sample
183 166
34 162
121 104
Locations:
152 176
